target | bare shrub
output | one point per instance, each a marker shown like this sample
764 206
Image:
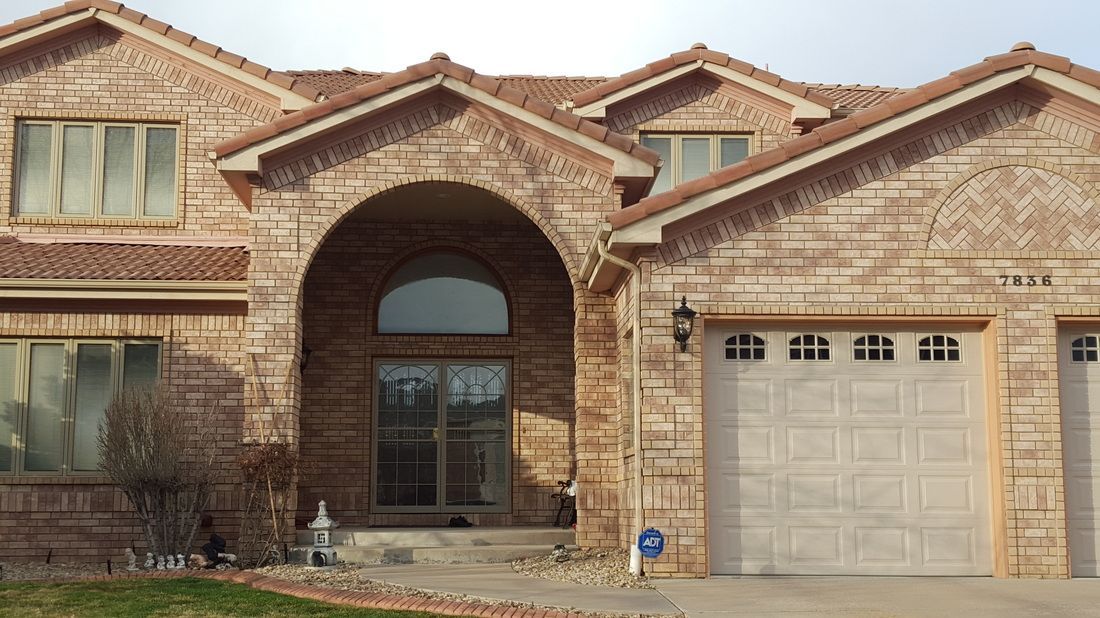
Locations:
162 459
268 471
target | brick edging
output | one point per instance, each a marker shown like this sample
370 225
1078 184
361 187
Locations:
356 598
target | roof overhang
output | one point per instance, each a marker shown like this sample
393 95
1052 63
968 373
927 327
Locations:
74 20
112 289
241 167
802 109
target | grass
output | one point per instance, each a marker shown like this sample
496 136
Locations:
166 597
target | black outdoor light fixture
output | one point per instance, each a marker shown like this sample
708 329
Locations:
683 320
306 351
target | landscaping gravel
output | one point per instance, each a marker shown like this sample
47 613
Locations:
19 571
592 567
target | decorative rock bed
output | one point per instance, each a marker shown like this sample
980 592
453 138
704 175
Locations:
592 567
21 571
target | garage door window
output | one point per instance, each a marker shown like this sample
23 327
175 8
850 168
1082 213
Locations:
745 346
873 348
936 348
1085 349
809 348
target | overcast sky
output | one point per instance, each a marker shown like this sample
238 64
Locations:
848 41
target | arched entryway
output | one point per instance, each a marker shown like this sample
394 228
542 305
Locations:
440 378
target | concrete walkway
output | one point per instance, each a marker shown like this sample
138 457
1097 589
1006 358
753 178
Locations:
972 597
499 581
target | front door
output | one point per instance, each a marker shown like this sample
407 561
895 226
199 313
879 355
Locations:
441 437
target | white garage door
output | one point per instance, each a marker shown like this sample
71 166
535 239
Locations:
846 450
1079 376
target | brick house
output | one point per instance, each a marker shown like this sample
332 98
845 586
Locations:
451 290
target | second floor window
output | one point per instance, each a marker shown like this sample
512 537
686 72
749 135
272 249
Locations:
96 170
690 156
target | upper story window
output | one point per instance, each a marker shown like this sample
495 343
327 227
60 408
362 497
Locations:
54 394
443 292
690 156
96 170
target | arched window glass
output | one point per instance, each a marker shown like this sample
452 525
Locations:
443 292
745 346
1085 349
873 348
809 347
937 348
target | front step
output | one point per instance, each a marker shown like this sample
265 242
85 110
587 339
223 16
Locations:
359 545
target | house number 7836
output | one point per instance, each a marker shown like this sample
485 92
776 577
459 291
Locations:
1025 280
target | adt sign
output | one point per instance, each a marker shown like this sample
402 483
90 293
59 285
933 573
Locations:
651 543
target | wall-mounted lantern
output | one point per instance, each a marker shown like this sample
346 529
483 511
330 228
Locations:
683 321
304 362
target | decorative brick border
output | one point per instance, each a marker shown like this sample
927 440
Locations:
355 598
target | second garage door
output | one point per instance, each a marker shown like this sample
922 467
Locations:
846 450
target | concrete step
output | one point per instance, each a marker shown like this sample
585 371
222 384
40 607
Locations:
361 536
451 554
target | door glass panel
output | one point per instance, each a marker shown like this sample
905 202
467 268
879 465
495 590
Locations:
407 462
45 405
695 158
93 393
9 403
477 435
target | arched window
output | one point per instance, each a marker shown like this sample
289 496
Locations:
809 347
938 348
443 292
1085 349
745 346
873 348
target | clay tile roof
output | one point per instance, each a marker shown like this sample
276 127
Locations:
556 90
329 82
834 131
416 72
856 96
687 57
76 6
24 260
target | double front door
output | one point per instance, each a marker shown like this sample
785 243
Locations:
441 437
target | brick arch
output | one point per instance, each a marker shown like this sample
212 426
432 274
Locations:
310 249
1007 196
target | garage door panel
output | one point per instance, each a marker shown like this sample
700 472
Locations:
1079 396
857 467
876 398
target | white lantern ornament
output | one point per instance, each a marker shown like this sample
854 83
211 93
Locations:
322 555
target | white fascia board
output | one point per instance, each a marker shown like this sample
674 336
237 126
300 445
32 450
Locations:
598 108
1067 84
248 159
109 289
650 229
19 38
288 99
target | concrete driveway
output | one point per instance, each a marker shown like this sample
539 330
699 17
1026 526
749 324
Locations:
882 596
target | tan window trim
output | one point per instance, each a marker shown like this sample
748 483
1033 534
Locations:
676 164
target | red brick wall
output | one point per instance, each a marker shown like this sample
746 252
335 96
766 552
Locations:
341 293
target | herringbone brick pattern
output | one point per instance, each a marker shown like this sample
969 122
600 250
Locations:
1017 208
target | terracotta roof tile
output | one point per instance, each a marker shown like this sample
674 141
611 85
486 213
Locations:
834 131
694 54
28 260
855 96
389 81
300 87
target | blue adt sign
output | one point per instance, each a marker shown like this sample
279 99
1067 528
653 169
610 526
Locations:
651 543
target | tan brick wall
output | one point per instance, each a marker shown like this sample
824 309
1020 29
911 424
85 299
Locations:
857 243
92 75
85 518
342 290
304 199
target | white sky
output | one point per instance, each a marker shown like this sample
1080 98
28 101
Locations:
888 42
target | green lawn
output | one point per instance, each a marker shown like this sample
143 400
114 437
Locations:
166 597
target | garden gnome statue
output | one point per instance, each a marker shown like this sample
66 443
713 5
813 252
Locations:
131 560
322 555
149 562
180 563
170 563
160 563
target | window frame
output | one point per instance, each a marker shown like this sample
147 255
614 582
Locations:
830 346
893 347
675 166
403 262
1085 349
96 214
752 346
947 348
18 442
